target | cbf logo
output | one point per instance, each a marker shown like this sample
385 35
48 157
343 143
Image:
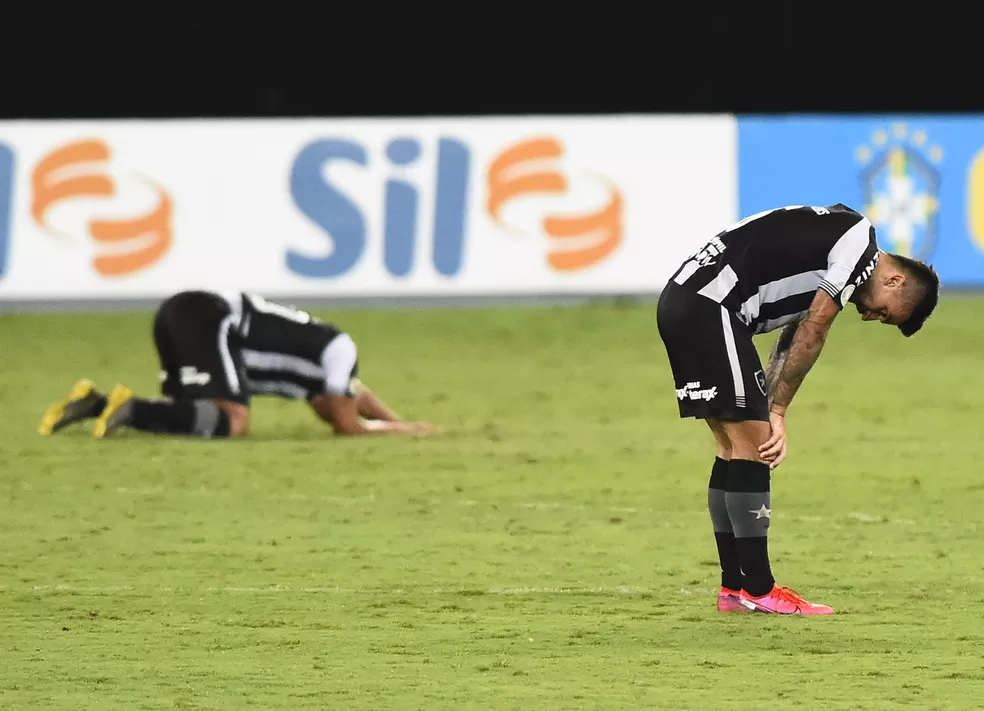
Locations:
901 186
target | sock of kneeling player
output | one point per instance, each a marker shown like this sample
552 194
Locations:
193 417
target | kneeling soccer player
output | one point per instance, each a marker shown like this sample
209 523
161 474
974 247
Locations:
792 268
216 350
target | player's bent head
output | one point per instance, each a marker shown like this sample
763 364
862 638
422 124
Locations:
920 292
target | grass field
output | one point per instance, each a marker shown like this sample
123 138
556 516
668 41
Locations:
550 551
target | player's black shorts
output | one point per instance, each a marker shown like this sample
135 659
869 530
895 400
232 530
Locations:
716 368
198 345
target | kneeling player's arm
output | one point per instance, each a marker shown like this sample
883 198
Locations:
370 405
342 413
808 341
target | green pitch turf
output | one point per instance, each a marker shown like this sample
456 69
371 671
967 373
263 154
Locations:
550 551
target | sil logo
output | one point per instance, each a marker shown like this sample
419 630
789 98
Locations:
79 192
577 212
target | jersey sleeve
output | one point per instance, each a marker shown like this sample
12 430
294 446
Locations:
850 262
340 362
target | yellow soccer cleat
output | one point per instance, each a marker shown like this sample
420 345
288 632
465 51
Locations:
82 403
117 413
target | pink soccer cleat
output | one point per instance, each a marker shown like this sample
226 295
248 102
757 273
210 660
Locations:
730 601
783 601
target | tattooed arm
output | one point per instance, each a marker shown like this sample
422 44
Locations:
805 345
777 358
804 349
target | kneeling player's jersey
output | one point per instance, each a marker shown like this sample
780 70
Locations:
767 268
287 352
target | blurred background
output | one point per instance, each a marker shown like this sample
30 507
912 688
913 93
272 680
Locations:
429 150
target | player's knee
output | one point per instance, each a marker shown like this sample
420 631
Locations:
723 444
724 450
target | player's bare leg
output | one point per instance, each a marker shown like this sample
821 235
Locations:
721 441
729 596
749 507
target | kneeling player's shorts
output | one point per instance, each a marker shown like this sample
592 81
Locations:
197 339
716 369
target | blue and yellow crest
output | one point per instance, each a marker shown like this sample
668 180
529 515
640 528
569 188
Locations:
901 186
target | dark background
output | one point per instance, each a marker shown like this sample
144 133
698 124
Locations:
212 59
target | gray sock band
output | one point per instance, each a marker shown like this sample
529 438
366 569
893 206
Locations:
750 513
206 418
715 496
718 508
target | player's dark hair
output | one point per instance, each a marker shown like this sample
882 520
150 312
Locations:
922 289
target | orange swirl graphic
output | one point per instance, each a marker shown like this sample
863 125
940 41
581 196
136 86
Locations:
503 187
606 224
156 223
49 189
519 171
144 239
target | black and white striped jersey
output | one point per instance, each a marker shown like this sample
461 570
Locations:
768 267
287 352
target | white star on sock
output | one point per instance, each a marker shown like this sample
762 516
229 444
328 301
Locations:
761 513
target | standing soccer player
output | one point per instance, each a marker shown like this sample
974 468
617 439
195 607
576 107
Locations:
216 350
792 268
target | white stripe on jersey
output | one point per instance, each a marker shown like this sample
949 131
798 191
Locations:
844 257
282 363
803 283
233 298
687 271
228 365
720 286
277 387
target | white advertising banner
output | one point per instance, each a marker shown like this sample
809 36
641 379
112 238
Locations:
359 207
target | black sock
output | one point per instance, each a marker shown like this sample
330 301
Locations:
199 417
723 534
729 558
754 554
222 426
163 416
99 404
749 508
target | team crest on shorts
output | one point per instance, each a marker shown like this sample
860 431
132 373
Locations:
760 380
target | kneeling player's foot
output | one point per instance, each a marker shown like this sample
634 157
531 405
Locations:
117 413
730 601
783 601
82 403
